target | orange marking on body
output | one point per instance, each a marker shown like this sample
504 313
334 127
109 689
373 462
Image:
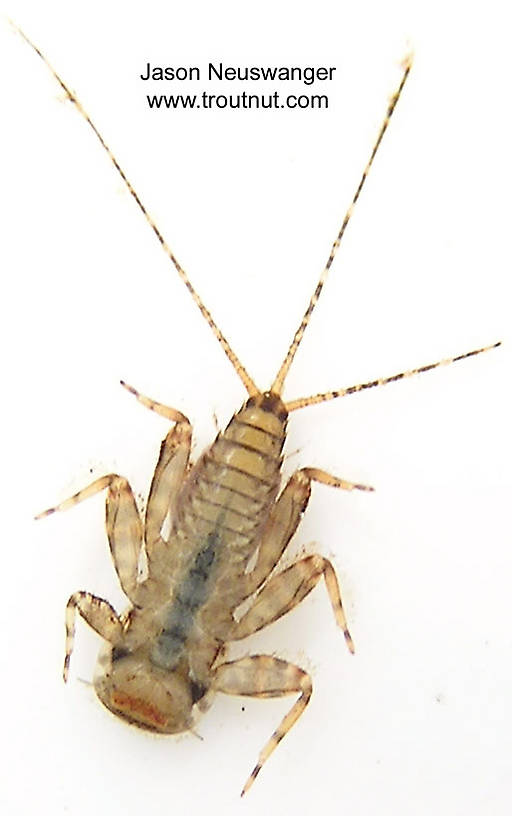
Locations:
136 705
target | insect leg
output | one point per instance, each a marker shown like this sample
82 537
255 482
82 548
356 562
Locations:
284 520
159 408
264 676
321 476
167 480
124 527
286 590
170 470
98 614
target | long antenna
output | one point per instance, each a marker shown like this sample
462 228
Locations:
294 405
277 385
249 384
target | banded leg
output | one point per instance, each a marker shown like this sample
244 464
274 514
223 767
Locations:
98 614
284 520
170 471
286 590
264 676
167 480
124 527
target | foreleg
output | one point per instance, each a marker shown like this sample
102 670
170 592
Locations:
284 520
170 471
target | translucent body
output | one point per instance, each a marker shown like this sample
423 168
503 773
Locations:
163 659
184 610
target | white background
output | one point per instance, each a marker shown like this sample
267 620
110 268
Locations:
419 721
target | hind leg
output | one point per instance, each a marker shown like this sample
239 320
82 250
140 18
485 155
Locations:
98 614
264 676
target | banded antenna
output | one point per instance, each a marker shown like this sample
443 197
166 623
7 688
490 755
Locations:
248 382
277 385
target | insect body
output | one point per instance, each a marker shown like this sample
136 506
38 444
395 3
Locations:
165 657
